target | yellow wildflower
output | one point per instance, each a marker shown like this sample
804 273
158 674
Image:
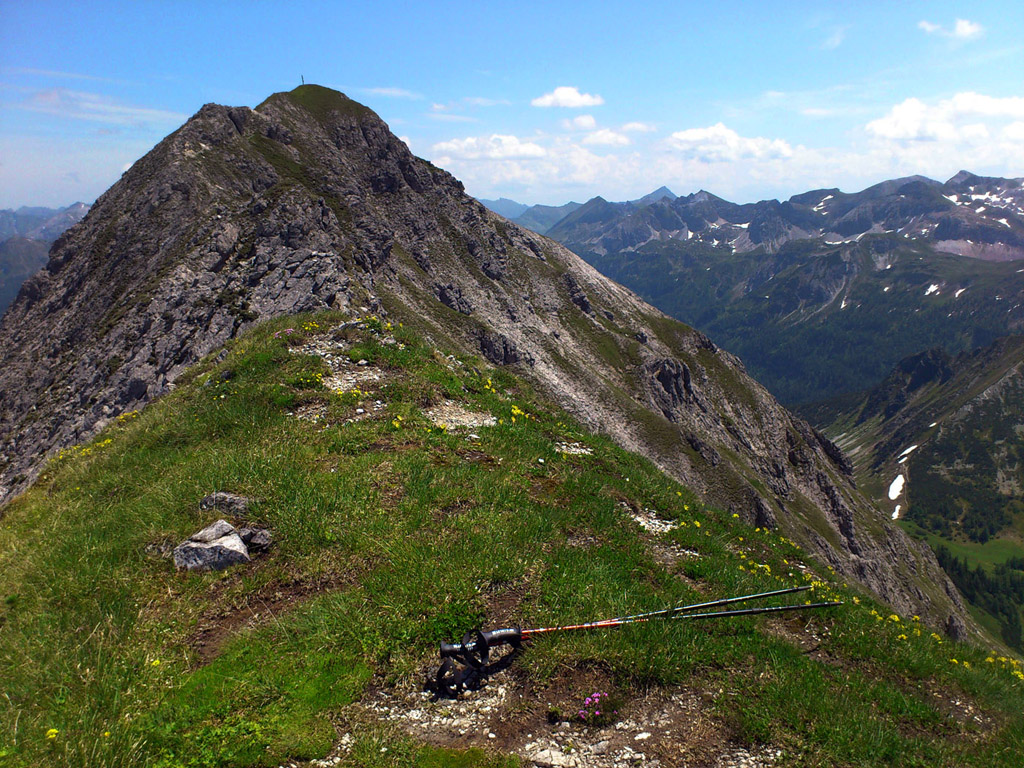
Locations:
52 733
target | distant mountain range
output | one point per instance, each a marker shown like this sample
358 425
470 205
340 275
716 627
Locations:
968 215
510 209
803 290
25 238
37 223
541 218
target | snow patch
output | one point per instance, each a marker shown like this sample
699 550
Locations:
896 513
958 292
908 451
933 288
896 487
1004 222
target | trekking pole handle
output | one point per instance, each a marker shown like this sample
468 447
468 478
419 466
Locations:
495 637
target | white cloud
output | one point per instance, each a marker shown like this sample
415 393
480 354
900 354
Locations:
982 133
53 73
607 137
718 143
96 107
946 120
962 29
1014 131
393 93
493 147
834 40
967 30
567 96
817 112
581 122
637 127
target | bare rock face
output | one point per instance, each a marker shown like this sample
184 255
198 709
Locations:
309 202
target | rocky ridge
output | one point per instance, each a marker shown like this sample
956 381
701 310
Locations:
309 202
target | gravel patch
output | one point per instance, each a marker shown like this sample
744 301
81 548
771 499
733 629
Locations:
452 415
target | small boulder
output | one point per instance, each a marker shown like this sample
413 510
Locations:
212 532
256 539
214 548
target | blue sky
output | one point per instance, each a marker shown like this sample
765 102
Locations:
540 102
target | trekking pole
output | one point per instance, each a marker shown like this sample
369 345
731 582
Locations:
478 641
474 650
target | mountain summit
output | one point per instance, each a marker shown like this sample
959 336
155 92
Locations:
309 202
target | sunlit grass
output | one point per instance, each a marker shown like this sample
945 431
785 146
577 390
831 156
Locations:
398 534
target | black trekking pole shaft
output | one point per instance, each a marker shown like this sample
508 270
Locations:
755 611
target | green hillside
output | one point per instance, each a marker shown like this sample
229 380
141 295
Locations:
951 427
392 533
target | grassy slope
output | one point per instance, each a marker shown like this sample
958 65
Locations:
392 535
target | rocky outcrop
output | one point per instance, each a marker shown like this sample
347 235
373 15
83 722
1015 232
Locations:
309 202
220 545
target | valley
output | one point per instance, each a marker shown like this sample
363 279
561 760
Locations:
831 300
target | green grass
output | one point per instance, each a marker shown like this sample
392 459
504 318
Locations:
392 535
988 555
